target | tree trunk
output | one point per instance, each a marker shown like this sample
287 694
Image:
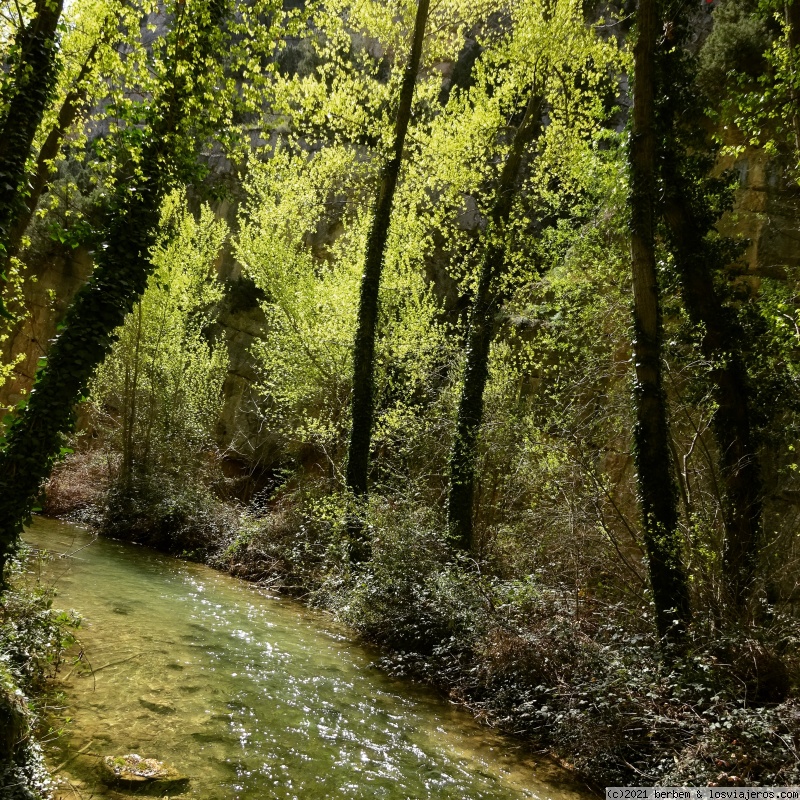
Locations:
72 105
792 16
364 347
656 483
464 453
122 268
720 344
34 70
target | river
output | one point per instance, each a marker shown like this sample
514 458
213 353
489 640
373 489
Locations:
250 695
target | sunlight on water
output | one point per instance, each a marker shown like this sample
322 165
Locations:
252 696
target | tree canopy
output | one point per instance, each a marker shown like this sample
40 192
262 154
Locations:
475 310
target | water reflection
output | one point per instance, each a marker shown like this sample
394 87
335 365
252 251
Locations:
252 696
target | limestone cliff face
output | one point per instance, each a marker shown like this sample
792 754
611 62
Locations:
49 287
248 443
767 214
241 428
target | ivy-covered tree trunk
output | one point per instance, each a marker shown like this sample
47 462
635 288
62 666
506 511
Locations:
122 267
29 87
464 453
691 202
656 483
792 16
363 403
720 343
39 180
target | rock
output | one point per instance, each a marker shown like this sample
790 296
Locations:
141 774
155 703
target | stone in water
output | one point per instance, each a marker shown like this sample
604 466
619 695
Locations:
134 772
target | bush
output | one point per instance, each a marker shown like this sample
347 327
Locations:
184 520
286 550
414 596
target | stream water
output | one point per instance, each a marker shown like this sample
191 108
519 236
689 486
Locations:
251 696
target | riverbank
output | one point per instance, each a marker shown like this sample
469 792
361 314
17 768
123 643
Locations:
33 637
579 675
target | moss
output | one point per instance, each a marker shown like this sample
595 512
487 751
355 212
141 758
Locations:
141 774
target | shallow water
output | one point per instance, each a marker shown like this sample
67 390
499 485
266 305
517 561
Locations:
250 695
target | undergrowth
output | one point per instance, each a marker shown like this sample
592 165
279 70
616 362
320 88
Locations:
33 638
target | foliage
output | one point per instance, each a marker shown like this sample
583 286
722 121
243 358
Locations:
31 67
158 395
34 438
302 247
735 49
310 306
418 606
283 118
178 516
753 51
291 549
159 389
33 635
33 638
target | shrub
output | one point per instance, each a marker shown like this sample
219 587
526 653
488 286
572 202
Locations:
179 518
77 485
286 550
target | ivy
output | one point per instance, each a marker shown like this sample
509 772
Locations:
35 437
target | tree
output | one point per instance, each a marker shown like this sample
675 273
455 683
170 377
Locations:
479 335
720 341
71 107
363 402
344 93
691 202
99 48
657 490
161 382
26 91
33 440
549 42
305 355
300 240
